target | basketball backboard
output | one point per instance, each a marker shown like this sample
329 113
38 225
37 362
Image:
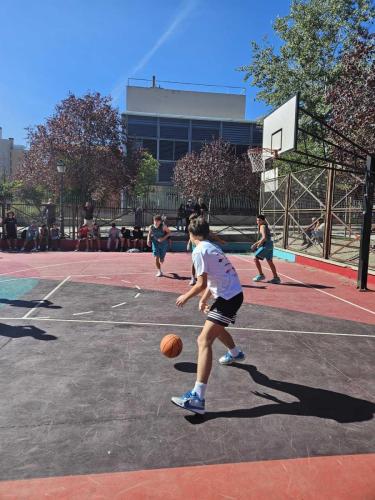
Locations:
280 127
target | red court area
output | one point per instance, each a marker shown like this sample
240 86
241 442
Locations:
303 289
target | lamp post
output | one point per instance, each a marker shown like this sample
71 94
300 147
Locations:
61 168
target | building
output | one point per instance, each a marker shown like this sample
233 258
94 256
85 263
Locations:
11 157
170 123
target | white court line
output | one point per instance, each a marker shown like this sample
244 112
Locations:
139 288
126 281
40 302
321 291
118 305
137 295
238 328
79 314
32 278
104 277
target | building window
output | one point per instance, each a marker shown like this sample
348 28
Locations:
140 126
166 171
166 150
151 146
180 149
205 130
174 129
196 147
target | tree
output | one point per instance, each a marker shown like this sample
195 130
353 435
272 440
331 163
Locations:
352 97
313 38
215 170
86 133
146 176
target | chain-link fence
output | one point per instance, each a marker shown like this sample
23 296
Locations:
317 212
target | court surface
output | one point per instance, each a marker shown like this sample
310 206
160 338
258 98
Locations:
86 393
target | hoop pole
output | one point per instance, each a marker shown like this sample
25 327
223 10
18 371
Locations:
328 214
286 208
368 200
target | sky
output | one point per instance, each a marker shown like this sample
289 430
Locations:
49 48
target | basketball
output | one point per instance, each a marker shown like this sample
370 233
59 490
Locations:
171 345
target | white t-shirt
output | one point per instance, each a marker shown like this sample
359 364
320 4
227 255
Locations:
222 278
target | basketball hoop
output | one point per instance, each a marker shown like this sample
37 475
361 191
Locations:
260 157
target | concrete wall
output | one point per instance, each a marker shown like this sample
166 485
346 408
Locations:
187 103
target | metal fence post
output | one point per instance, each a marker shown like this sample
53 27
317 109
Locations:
286 214
328 221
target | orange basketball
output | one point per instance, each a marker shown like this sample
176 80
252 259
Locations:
171 345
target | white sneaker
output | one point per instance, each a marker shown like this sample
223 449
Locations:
192 282
159 274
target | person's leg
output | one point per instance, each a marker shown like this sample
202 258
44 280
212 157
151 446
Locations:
157 262
258 266
109 244
193 276
205 340
273 268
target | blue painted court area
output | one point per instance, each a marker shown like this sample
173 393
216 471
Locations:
15 288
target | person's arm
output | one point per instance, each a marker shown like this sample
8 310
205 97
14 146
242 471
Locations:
203 305
149 237
263 236
167 231
195 290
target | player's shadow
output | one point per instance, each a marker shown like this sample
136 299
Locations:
175 276
17 332
304 285
29 303
312 402
259 287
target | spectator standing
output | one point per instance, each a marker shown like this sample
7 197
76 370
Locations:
189 211
138 238
10 225
113 236
55 237
181 216
49 213
83 235
124 238
88 211
201 208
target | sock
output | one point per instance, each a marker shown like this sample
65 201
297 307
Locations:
200 389
234 352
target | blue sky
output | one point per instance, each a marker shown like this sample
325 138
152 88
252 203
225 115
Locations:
51 47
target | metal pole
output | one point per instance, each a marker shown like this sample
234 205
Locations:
62 228
328 224
286 217
368 201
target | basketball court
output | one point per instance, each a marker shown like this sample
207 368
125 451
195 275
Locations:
87 391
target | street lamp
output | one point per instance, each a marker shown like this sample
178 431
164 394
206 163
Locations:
61 168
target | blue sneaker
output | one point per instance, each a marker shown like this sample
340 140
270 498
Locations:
259 277
191 402
228 359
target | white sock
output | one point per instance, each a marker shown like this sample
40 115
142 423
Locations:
235 351
200 389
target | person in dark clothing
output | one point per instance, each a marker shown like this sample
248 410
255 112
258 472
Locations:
189 211
88 211
200 208
138 238
10 225
181 215
43 238
124 238
49 213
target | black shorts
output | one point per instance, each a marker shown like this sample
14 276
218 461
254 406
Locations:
223 312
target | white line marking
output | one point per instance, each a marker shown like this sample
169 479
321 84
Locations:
79 314
139 288
40 302
177 325
126 281
104 277
32 278
118 305
137 295
321 291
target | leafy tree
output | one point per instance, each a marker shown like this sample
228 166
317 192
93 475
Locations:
352 97
146 176
215 170
86 133
313 38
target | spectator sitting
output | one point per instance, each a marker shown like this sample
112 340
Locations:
43 238
138 238
181 215
55 237
83 235
201 208
307 233
124 238
318 233
113 236
10 226
95 237
32 235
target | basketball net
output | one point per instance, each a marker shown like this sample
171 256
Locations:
259 157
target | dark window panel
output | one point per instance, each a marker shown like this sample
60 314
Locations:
174 129
151 146
166 150
166 171
196 146
180 149
237 133
139 130
205 130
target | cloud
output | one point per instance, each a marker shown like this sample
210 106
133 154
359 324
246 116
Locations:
171 30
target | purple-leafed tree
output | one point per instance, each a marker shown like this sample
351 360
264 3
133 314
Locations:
216 170
86 133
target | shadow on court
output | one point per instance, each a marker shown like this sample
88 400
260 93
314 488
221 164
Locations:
304 285
17 332
29 303
312 401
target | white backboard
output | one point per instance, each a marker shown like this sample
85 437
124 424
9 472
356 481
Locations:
280 127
